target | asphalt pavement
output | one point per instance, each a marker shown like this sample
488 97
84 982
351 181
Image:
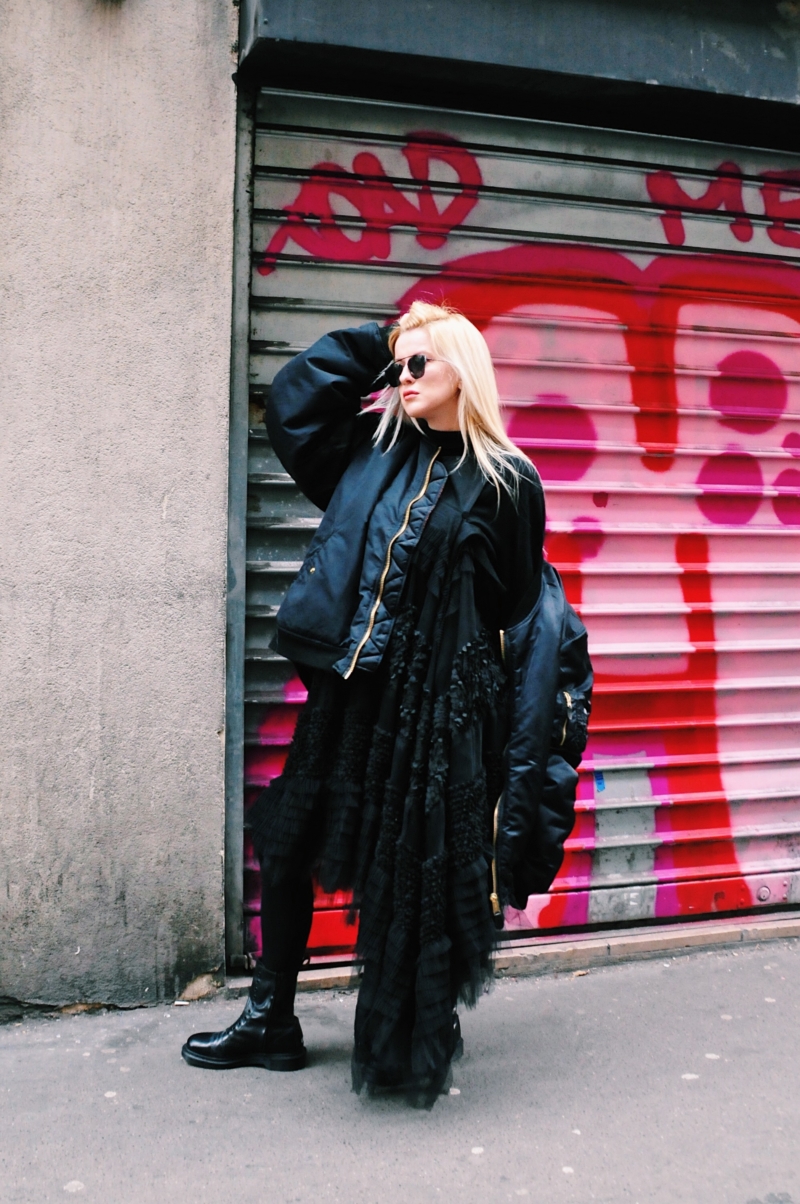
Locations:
649 1083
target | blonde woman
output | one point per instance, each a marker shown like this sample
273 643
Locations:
425 773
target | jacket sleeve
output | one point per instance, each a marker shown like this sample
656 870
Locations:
522 530
528 841
312 413
549 660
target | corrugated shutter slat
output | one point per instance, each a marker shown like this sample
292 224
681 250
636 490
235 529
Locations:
642 304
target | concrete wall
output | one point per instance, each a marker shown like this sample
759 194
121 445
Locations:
117 132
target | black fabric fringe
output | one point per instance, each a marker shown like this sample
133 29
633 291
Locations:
388 790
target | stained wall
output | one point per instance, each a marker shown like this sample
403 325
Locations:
118 136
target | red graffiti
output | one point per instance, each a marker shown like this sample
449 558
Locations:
724 192
667 699
669 714
313 224
645 302
780 210
688 721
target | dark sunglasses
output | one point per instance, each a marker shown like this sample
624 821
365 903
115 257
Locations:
416 365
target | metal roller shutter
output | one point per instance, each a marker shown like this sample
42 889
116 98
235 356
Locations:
642 303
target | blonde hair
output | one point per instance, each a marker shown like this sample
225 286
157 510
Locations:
455 340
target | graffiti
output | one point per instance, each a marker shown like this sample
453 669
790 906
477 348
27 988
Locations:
661 405
725 192
561 321
780 209
313 224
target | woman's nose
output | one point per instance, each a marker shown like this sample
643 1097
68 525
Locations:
405 375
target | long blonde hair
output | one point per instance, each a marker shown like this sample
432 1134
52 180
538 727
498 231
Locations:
455 340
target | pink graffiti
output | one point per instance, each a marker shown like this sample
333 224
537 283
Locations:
567 430
313 224
787 504
654 707
642 435
725 192
732 488
750 392
780 210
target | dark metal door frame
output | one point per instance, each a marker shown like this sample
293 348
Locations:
237 533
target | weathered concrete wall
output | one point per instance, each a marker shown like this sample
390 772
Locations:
117 127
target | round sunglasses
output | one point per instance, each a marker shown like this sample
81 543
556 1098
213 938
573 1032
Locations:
416 365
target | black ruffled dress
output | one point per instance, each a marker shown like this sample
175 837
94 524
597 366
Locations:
389 790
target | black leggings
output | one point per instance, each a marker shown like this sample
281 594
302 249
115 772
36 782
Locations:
285 924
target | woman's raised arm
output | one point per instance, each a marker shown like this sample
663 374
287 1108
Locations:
313 410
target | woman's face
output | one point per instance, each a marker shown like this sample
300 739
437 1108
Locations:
434 396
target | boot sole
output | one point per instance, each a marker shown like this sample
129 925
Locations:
278 1061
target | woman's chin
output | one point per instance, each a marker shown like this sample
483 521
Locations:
416 412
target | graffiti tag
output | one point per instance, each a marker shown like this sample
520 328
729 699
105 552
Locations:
313 224
725 192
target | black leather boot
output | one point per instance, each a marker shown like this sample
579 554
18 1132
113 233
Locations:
266 1034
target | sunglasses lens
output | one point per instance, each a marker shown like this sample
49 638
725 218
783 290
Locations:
416 366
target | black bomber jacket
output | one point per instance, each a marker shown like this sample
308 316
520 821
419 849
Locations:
339 611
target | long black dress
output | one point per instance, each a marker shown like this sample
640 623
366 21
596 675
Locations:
389 790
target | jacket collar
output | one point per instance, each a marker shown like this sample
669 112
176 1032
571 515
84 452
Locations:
451 443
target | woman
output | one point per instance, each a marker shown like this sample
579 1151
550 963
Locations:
429 550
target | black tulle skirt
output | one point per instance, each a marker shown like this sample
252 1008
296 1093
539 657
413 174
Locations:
389 791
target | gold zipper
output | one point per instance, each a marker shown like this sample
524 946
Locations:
387 563
566 721
494 898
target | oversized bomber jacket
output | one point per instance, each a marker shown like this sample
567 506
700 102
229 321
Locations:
339 611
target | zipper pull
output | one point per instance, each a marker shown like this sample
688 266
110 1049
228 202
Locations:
568 698
494 898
